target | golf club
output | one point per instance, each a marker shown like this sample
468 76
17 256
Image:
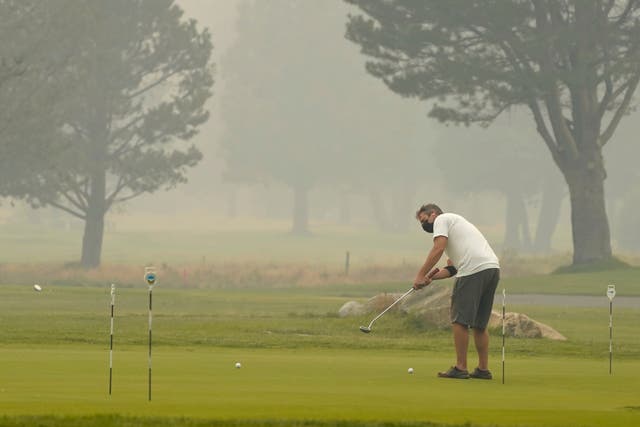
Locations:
367 329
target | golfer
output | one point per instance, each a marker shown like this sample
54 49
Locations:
477 276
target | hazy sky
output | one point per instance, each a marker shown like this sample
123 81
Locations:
202 201
219 16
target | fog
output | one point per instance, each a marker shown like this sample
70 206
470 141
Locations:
300 137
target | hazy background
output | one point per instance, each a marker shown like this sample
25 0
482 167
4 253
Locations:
401 158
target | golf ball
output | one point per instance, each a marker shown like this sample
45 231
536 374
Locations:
37 287
410 370
238 365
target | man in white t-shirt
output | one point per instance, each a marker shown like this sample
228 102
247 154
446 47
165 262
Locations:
477 272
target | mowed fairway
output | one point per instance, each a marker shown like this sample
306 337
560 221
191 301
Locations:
316 385
301 363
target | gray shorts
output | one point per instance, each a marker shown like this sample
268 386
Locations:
472 298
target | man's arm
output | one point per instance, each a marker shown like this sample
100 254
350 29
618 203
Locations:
439 245
446 272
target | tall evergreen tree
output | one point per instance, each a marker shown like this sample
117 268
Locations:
32 50
139 76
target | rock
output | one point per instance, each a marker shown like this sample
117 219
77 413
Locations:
433 304
352 308
522 326
380 302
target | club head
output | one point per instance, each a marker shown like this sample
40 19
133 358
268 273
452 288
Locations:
365 329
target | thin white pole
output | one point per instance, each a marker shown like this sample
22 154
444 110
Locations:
150 322
610 336
113 300
611 293
504 297
150 278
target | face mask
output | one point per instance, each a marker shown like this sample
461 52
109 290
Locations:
427 226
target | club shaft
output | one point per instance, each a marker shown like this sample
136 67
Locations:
391 306
433 273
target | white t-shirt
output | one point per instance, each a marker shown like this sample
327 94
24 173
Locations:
466 246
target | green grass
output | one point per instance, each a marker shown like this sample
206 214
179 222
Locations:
611 264
272 318
302 364
594 283
327 246
120 421
324 384
268 257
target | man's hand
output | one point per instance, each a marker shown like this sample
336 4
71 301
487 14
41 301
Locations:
421 282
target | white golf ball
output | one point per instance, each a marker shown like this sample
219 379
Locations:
238 365
410 370
37 287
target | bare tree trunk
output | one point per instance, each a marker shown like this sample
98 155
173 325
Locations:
94 224
552 195
300 210
590 227
525 233
516 236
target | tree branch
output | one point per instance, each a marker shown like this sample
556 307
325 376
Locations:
154 84
552 94
606 98
128 197
116 133
625 13
119 187
66 209
543 130
622 109
76 203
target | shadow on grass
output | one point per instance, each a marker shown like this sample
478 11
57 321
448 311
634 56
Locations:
611 264
120 421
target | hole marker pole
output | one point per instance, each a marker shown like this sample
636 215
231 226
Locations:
113 300
504 296
611 293
150 278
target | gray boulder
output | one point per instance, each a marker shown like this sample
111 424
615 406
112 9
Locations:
433 303
352 308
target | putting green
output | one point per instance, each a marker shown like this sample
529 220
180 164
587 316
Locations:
314 384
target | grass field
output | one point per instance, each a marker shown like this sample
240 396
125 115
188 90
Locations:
265 257
302 364
270 301
328 245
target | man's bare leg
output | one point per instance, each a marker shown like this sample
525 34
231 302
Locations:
461 342
481 338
